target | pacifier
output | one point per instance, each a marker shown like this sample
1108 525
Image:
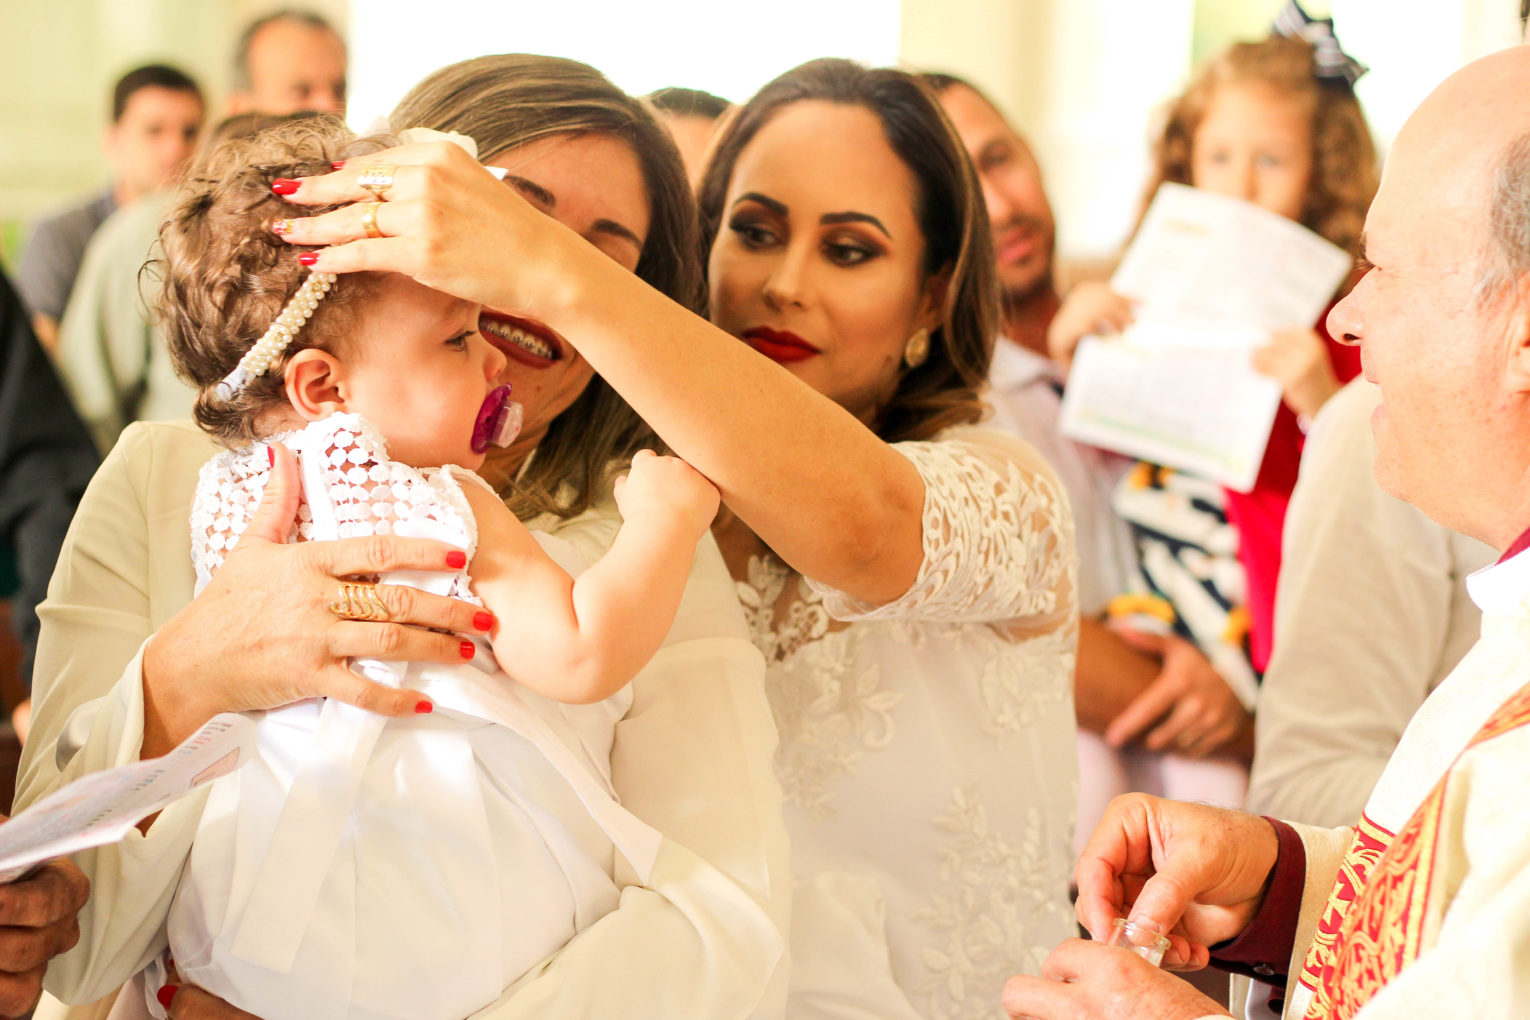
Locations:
499 420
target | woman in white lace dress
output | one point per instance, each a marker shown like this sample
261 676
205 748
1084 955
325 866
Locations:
908 576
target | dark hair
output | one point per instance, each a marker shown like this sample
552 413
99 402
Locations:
227 276
683 102
158 76
943 391
509 100
940 81
243 81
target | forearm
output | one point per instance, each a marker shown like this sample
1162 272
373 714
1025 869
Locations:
829 497
1110 675
624 604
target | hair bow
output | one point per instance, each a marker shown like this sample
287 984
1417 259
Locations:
1329 61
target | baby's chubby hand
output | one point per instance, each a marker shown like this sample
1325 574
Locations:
667 486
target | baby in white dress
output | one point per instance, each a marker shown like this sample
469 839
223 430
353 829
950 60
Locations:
372 868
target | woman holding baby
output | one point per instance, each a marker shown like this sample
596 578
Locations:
908 578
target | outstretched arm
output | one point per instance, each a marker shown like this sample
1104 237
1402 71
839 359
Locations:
830 498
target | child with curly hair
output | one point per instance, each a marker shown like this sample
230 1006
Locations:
1276 123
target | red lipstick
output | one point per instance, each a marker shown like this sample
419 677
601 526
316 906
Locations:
779 345
522 340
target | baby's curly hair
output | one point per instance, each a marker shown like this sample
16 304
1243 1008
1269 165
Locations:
1344 167
226 276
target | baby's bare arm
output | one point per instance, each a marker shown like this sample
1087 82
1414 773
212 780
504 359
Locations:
580 641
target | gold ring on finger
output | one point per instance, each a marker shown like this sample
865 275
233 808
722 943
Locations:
369 219
377 178
359 602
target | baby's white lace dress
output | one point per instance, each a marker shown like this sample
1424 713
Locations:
927 746
408 868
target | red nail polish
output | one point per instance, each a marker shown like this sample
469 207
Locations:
467 649
308 258
271 455
166 994
420 708
456 559
483 621
284 186
338 164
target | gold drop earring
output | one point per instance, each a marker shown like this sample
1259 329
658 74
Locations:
917 349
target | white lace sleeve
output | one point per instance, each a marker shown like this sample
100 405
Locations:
998 538
229 489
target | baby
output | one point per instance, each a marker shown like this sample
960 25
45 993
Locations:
360 866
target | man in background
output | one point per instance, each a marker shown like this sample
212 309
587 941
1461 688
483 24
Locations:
289 61
157 113
1025 389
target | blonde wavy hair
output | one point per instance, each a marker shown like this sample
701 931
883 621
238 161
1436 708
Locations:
1344 166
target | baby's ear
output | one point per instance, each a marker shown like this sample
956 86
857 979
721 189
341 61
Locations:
313 380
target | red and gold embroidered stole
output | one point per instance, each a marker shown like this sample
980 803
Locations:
1378 917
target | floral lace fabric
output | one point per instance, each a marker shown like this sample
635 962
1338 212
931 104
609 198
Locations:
929 742
361 492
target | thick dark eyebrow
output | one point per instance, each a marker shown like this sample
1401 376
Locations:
830 219
534 191
827 219
548 201
615 229
779 208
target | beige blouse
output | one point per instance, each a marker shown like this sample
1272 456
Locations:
692 757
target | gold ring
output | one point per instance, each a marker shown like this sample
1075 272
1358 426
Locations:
369 219
359 602
377 178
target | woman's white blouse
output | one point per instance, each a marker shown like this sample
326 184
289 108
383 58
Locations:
927 747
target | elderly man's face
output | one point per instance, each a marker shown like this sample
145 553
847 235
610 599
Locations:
1428 338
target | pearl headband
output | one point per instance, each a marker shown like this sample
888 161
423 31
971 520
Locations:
268 349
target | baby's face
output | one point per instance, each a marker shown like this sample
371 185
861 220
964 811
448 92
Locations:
419 371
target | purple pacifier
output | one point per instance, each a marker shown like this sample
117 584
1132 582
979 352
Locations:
499 420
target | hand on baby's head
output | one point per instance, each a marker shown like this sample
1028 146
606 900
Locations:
666 485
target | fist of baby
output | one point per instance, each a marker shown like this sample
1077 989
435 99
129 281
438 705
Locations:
666 485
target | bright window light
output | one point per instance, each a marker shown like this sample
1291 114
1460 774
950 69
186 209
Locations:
726 48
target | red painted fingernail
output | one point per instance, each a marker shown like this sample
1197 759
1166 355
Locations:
165 994
466 648
271 455
483 621
284 186
456 559
423 708
338 164
308 258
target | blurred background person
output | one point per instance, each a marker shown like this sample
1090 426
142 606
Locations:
693 118
157 113
1373 612
46 460
110 354
288 61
